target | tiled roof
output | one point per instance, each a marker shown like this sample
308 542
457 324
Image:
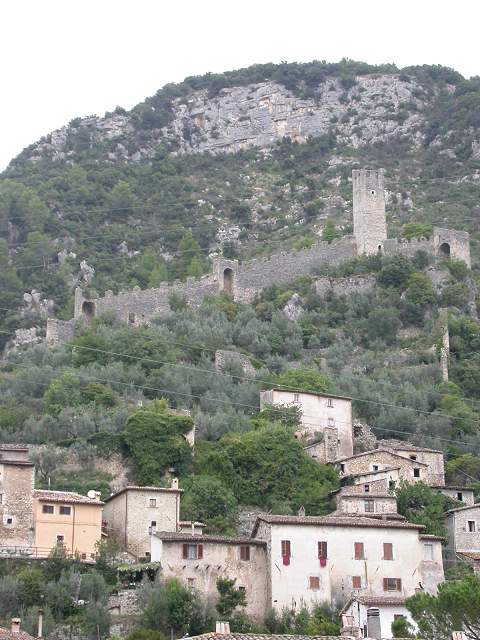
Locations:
14 447
372 473
430 536
188 523
453 487
257 636
375 601
376 516
337 521
406 446
187 537
472 506
7 634
45 495
17 463
380 450
310 393
138 488
473 555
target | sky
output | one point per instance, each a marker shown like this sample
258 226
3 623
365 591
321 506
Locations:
61 59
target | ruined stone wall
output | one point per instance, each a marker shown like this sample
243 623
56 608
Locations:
344 286
124 603
408 247
444 243
223 357
16 505
60 331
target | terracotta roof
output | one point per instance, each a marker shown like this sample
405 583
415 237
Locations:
188 523
17 463
257 636
309 393
7 634
13 447
453 487
187 537
336 521
382 450
45 495
406 446
376 516
473 555
472 506
372 601
147 488
372 473
430 536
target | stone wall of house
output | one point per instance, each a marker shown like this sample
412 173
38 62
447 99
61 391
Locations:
16 505
356 504
465 540
365 463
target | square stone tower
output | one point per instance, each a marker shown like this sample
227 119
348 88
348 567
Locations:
369 221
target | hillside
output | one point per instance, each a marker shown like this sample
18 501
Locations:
243 164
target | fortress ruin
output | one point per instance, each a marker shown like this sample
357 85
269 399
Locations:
245 280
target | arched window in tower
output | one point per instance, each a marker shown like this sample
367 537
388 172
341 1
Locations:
228 280
444 250
88 309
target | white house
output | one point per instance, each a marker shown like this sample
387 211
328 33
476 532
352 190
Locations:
324 416
374 615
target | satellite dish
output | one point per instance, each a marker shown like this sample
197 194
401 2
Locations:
92 494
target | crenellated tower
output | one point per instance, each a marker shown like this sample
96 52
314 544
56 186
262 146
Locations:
369 221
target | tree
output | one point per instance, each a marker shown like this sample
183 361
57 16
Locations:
401 628
305 380
155 439
207 500
229 597
47 461
395 272
62 392
420 290
167 605
329 231
455 608
422 505
417 230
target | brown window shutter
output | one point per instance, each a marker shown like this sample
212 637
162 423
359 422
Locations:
356 582
286 548
387 551
247 553
385 584
200 551
185 550
399 584
322 550
359 555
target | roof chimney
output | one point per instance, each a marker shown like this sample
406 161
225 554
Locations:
222 628
15 625
174 483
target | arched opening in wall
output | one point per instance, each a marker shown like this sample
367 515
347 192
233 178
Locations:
444 250
228 280
88 309
131 318
379 249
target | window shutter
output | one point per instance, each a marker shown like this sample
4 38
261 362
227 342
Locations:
385 584
286 548
359 555
200 551
356 582
322 549
185 550
399 584
387 551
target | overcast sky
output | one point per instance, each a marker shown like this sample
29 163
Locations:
67 58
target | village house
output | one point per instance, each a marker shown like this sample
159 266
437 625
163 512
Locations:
433 458
17 476
463 526
133 514
199 560
68 520
366 499
327 425
364 614
460 493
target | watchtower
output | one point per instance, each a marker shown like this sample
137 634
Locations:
369 221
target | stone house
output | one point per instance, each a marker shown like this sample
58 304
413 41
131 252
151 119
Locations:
17 476
66 519
317 559
133 514
199 560
460 493
326 420
366 499
433 458
463 526
383 459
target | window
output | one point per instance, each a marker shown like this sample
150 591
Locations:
387 551
369 506
84 556
392 584
153 525
472 527
152 502
242 589
331 422
359 551
190 583
366 488
322 550
375 467
245 552
416 473
413 457
459 497
60 539
329 402
65 511
286 549
131 318
356 582
1 498
314 582
428 551
296 397
48 508
9 520
391 484
342 468
192 551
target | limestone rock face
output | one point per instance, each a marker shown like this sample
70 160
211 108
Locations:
375 109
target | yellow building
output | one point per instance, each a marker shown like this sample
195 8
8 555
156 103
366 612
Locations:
67 519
